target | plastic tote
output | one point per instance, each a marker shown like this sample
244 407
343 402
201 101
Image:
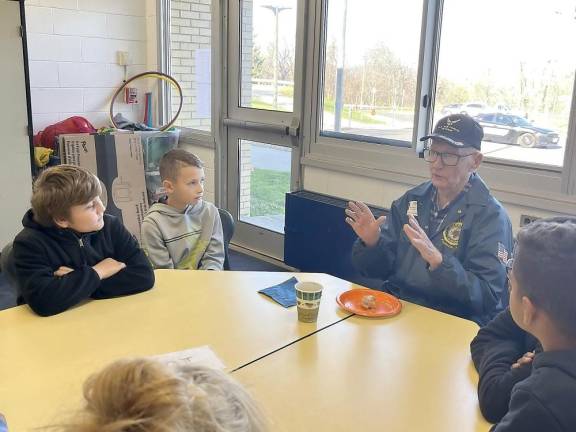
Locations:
154 145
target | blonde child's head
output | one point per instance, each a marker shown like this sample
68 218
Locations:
144 395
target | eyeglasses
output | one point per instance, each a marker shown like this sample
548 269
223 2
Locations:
448 159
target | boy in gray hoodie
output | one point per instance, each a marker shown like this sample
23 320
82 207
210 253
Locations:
183 231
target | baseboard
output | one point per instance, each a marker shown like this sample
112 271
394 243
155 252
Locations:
265 258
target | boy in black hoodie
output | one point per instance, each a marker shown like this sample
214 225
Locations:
542 303
69 250
502 353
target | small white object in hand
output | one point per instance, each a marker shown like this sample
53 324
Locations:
412 209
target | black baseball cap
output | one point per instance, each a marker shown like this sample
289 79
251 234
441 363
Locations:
458 130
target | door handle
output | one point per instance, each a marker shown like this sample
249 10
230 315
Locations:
264 127
292 130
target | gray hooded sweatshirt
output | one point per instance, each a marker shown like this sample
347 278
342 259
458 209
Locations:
186 240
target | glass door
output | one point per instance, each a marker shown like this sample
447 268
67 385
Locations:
264 84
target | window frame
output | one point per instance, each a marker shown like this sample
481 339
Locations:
189 135
234 109
520 183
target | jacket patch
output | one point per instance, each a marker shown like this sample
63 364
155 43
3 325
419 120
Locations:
451 235
412 209
502 253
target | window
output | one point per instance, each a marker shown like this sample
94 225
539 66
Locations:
370 69
265 171
190 62
268 49
507 63
515 78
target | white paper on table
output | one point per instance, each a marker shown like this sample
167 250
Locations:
203 356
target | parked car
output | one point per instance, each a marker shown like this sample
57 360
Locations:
472 109
451 109
513 129
475 108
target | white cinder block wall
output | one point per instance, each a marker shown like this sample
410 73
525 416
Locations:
72 47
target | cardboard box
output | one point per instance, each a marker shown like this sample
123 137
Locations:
118 162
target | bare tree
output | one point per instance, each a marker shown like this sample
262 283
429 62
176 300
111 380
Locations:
286 63
258 63
330 65
524 99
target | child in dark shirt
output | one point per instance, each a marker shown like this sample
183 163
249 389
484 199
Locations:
70 250
542 304
502 353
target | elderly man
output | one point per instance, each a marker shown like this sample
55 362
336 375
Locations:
445 242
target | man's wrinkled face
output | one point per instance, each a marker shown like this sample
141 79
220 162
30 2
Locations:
445 177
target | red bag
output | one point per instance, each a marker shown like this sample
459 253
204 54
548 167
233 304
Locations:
76 124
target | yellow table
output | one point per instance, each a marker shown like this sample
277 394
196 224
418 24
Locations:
44 361
410 373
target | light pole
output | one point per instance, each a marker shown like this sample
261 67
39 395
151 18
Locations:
276 11
339 99
363 82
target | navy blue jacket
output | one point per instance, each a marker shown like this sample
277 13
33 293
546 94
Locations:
545 401
471 281
494 350
39 251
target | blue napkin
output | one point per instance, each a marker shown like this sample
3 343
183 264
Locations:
283 293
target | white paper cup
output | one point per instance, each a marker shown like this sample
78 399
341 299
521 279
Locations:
308 296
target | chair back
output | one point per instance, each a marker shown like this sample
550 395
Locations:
228 225
8 290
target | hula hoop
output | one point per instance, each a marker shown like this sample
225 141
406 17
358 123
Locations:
159 75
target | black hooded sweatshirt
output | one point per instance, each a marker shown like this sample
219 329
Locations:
545 401
39 251
494 350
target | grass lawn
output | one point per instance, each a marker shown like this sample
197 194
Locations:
357 115
259 104
267 189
